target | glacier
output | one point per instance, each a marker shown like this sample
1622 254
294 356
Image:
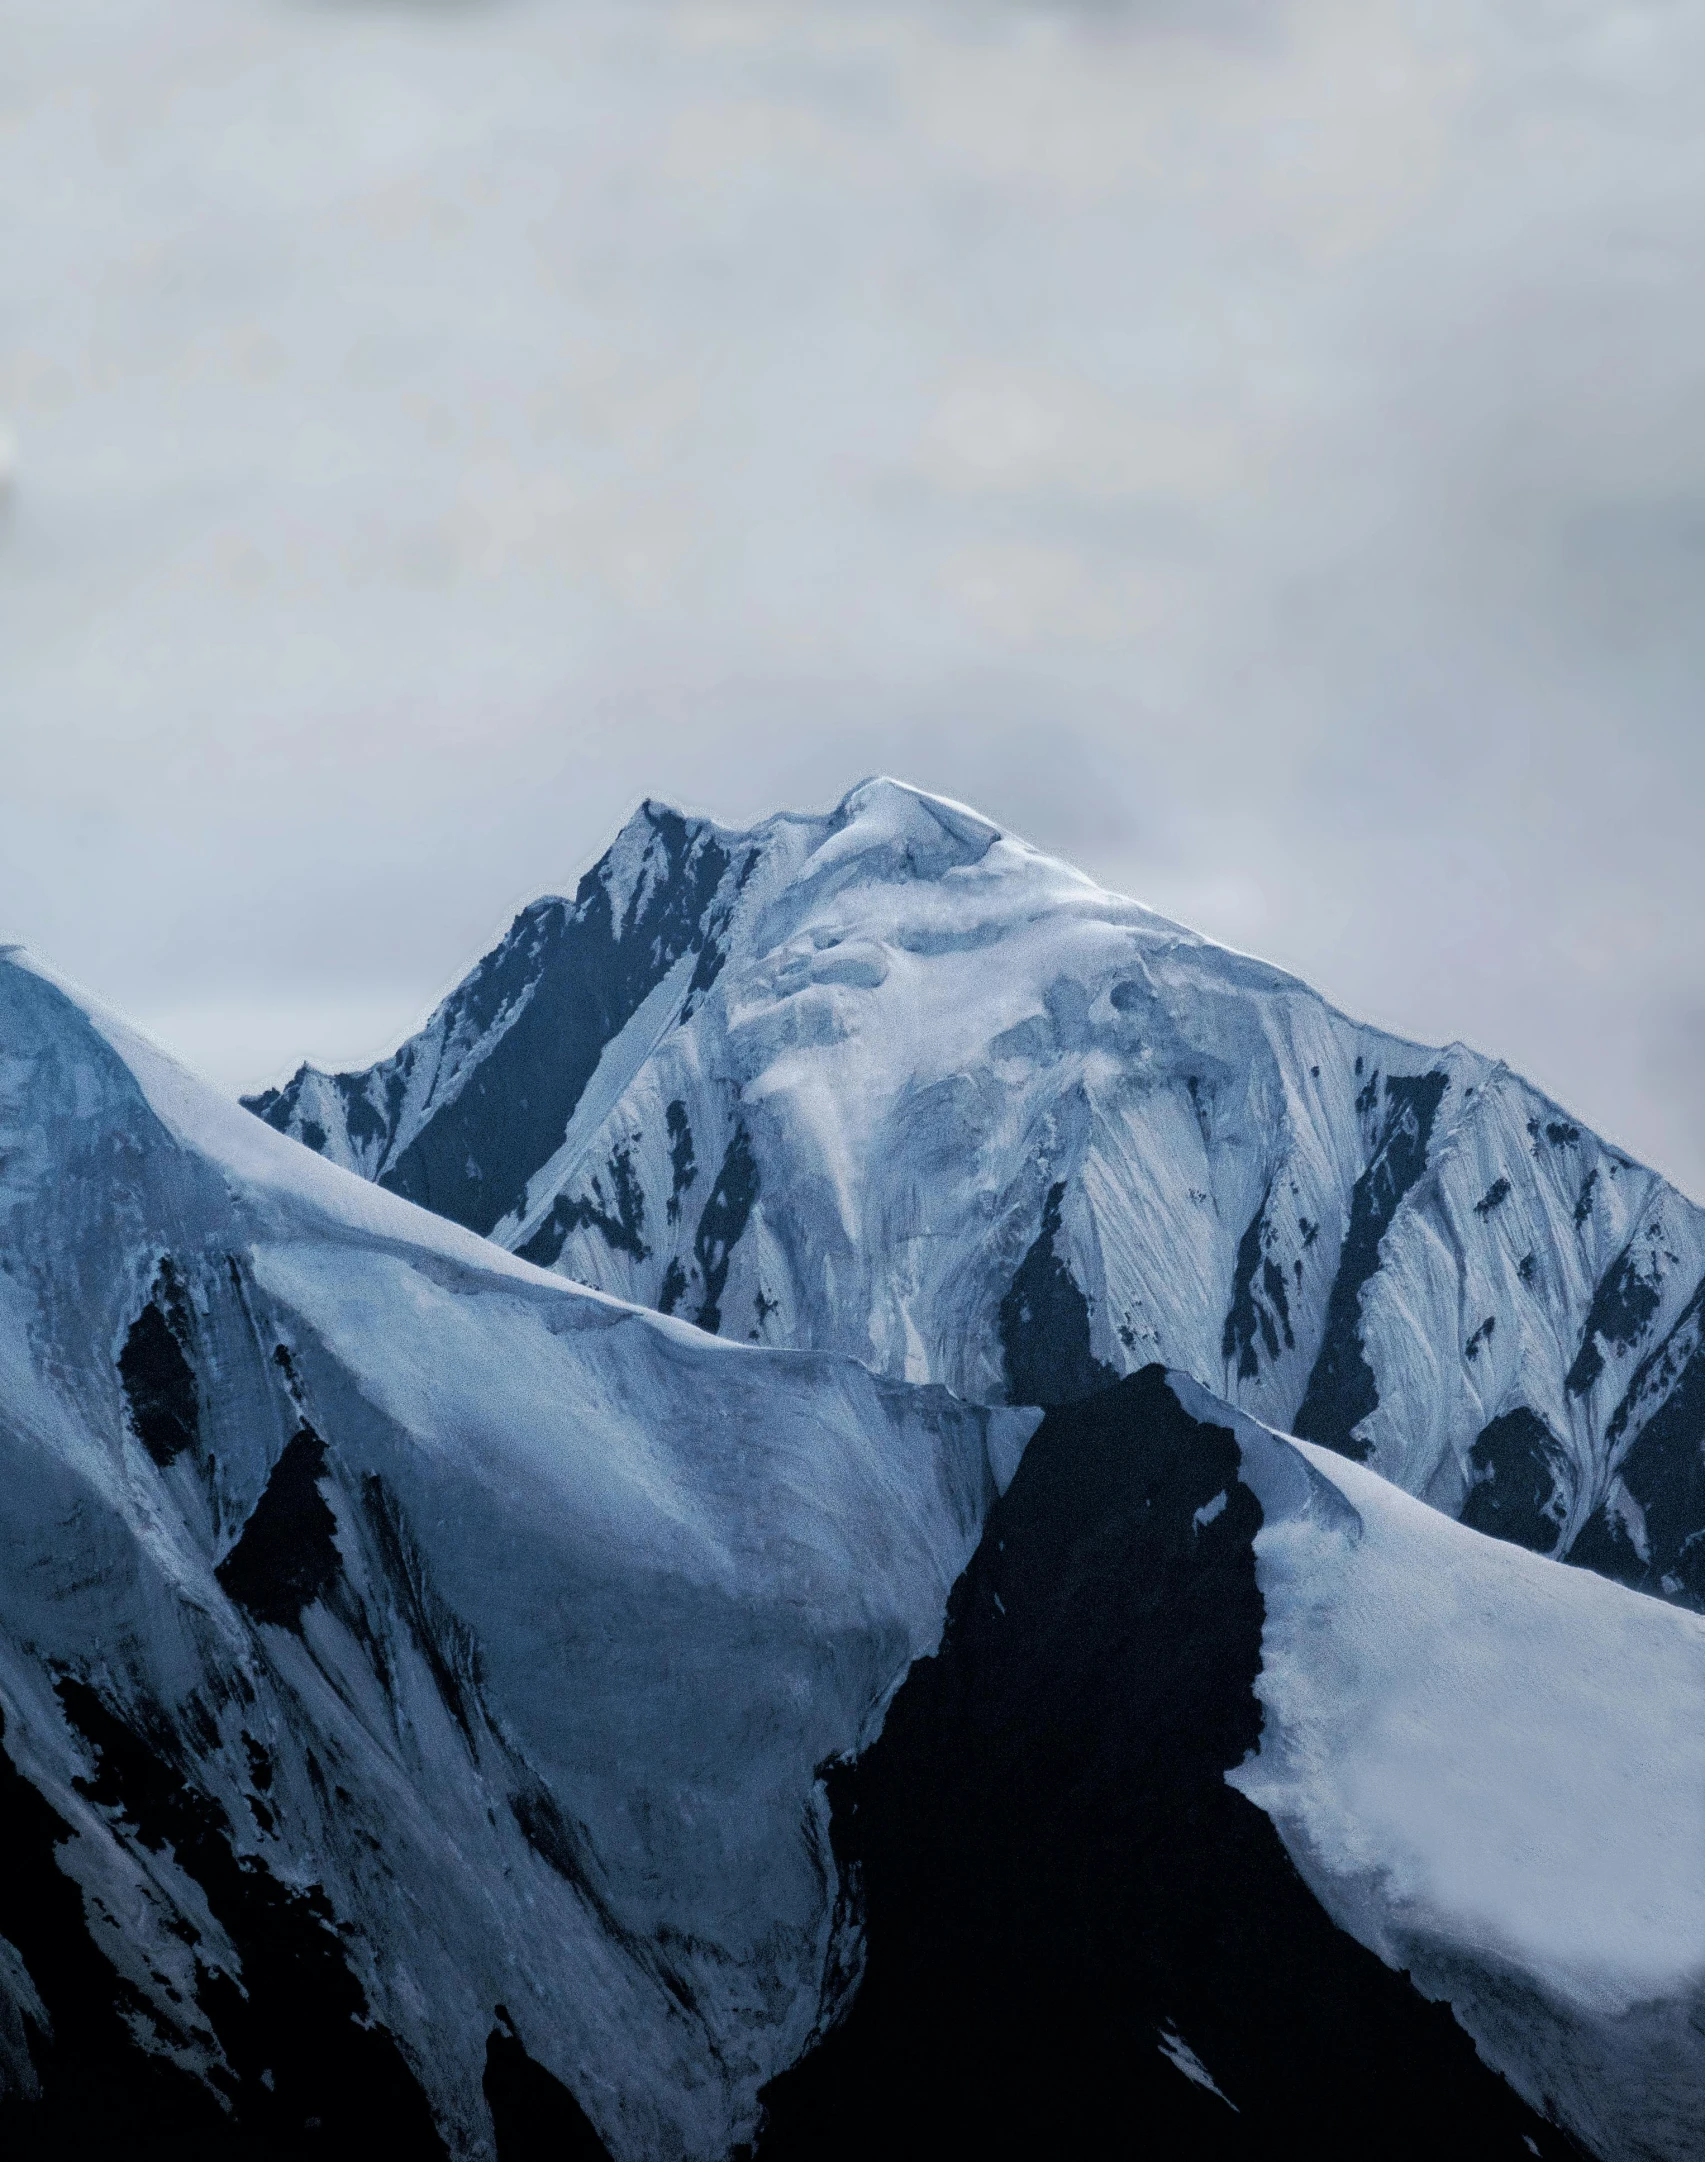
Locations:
447 1705
891 1082
464 1618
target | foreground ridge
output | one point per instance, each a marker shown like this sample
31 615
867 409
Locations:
424 1682
1075 1919
413 1667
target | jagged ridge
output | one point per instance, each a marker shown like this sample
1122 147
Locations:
418 1738
890 1082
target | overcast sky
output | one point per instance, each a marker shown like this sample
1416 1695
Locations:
1255 450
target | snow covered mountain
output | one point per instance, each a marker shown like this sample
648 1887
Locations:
414 1668
891 1083
450 1712
1202 1694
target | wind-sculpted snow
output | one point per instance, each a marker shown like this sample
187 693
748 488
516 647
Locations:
423 1682
1193 1672
414 1668
1490 1770
892 1083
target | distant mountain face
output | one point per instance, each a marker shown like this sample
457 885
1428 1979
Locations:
891 1083
450 1713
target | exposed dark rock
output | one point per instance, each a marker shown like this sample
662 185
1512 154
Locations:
157 1377
1663 1471
1044 1324
535 2117
309 2073
557 1842
1620 1314
286 1554
564 981
1518 1491
721 1222
1602 1545
1260 1304
683 1165
583 975
1342 1390
99 2091
619 1216
1080 1939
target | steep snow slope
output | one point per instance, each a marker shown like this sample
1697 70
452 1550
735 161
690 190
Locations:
1492 1771
417 1672
411 1665
891 1082
1076 1918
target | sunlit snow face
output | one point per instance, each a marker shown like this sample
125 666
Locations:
1253 450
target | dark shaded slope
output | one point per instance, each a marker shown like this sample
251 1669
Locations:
1074 1924
98 2092
564 981
158 1380
1044 1324
307 2072
533 2115
589 975
286 1555
1659 1547
1342 1390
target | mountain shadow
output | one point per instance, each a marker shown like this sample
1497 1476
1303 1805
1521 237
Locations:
1080 1939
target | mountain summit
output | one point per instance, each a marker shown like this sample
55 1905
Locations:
447 1710
891 1082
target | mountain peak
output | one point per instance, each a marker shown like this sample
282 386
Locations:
892 1082
618 1649
881 797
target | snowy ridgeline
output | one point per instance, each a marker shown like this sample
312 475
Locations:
417 1674
515 1621
889 1082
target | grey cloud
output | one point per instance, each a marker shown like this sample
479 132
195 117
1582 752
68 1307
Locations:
1253 450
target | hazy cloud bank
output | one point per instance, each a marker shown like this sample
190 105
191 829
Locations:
1259 452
